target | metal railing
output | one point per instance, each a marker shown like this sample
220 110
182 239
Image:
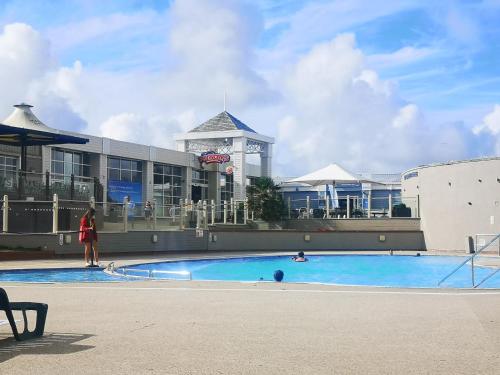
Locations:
42 186
148 274
352 206
471 259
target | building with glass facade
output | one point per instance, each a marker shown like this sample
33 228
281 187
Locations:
138 171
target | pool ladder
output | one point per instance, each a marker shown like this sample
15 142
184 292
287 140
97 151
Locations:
471 259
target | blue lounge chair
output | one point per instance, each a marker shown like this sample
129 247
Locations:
41 314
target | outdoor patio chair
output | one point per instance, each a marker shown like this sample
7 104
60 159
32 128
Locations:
41 314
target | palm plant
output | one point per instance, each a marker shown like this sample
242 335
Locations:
265 200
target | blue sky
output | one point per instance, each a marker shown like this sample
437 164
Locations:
435 65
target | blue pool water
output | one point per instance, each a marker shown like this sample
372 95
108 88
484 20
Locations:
376 270
369 270
52 275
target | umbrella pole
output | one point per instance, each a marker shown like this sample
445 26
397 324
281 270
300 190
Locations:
24 158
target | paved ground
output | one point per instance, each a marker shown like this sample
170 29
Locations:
244 328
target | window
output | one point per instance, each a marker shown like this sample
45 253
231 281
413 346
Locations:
200 177
65 163
167 187
125 170
226 191
8 166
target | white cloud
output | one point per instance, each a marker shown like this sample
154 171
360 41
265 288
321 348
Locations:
24 57
491 126
407 116
340 111
491 122
327 104
403 56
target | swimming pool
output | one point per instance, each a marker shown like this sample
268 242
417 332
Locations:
365 270
57 275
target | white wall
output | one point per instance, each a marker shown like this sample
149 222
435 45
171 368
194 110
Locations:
456 200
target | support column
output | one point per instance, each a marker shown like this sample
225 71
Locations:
266 158
214 189
239 162
5 213
348 205
55 214
369 204
103 175
46 158
147 180
186 186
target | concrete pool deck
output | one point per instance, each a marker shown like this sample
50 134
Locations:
167 327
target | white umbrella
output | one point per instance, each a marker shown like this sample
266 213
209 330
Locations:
332 174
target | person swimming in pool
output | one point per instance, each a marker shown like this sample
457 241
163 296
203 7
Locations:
300 257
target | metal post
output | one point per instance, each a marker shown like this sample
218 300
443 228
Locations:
5 213
198 215
308 206
235 213
72 187
231 205
369 204
390 204
125 215
327 206
154 214
47 185
348 207
205 215
183 213
225 212
212 210
472 271
55 214
418 205
245 211
498 247
289 208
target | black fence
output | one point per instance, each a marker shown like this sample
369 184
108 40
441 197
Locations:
42 186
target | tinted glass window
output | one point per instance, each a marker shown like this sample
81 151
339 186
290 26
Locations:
126 175
158 168
114 174
125 164
136 176
113 163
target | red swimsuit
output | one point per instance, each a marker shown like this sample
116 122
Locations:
87 232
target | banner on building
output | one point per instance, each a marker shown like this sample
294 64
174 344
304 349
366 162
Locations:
118 190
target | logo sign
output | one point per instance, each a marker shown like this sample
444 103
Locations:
211 157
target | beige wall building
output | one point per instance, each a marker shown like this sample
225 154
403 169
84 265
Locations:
457 199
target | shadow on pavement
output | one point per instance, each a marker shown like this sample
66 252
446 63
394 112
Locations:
52 343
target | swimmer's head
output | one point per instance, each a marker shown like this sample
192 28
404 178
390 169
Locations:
301 254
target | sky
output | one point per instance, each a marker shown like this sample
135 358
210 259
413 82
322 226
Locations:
377 86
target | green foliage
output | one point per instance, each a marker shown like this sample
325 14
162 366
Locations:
265 200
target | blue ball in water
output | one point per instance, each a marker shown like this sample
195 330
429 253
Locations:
278 275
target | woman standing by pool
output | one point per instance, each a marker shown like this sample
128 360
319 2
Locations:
88 235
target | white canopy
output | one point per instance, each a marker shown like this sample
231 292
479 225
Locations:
331 174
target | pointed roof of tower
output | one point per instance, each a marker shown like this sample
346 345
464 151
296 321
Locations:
224 121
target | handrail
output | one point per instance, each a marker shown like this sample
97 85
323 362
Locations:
150 273
471 258
487 277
